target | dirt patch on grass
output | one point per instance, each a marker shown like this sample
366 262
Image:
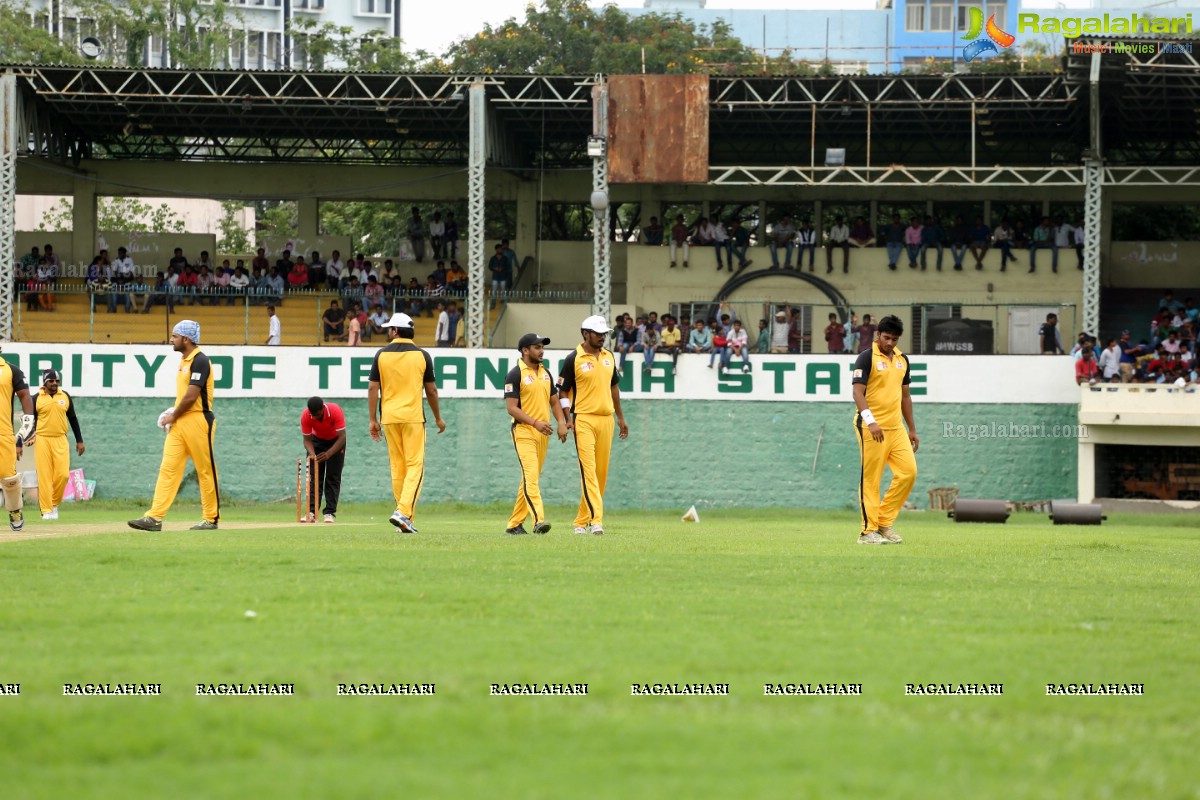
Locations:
37 529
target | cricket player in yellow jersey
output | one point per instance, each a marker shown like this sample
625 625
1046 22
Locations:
399 374
881 379
12 384
587 384
530 397
53 410
189 424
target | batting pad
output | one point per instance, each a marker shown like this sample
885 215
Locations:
12 493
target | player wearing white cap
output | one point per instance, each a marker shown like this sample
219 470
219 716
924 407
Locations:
399 374
587 384
12 384
189 424
54 409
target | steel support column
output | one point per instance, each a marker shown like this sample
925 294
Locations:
8 199
477 312
1093 172
601 245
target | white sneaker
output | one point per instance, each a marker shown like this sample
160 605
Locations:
598 530
49 515
871 537
328 519
581 529
890 535
746 368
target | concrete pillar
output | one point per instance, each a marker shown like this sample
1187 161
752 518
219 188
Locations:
1087 472
83 222
308 222
527 225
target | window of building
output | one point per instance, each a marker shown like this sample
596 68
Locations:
940 16
273 55
237 53
311 5
375 6
964 13
254 50
998 10
914 17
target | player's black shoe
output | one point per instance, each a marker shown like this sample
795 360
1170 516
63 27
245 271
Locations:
542 527
146 524
517 531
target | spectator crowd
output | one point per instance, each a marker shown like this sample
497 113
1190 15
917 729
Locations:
1165 355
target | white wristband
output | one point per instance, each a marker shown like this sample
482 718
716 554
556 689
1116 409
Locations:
867 416
565 402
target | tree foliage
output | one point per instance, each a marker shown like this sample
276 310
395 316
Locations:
233 237
117 214
568 37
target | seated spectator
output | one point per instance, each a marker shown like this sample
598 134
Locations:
671 342
912 241
204 285
782 237
316 272
389 270
274 286
457 279
1086 368
260 262
981 236
335 270
1172 344
204 262
99 288
284 264
45 284
333 321
28 267
1020 236
679 239
160 293
806 242
739 244
960 241
220 282
186 285
94 272
1043 239
1064 236
257 287
178 262
627 340
451 236
352 292
860 233
433 290
239 281
700 339
652 234
720 345
373 291
455 317
738 344
650 342
1169 304
378 319
297 277
439 273
1003 237
892 236
364 272
1079 235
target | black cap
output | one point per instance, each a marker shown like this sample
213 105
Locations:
51 375
530 339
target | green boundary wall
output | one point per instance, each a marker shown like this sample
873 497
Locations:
679 452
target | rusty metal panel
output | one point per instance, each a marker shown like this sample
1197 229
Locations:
658 129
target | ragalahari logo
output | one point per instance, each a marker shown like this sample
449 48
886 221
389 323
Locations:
995 36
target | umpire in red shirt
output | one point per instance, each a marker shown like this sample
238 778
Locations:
324 428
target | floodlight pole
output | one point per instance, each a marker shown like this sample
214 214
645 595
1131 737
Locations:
476 304
601 246
8 198
1093 205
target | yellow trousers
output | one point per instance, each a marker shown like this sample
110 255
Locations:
894 451
406 454
52 457
191 436
8 454
593 444
531 453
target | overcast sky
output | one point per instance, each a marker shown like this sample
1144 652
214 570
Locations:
435 26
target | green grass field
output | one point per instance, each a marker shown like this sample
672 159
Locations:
744 598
